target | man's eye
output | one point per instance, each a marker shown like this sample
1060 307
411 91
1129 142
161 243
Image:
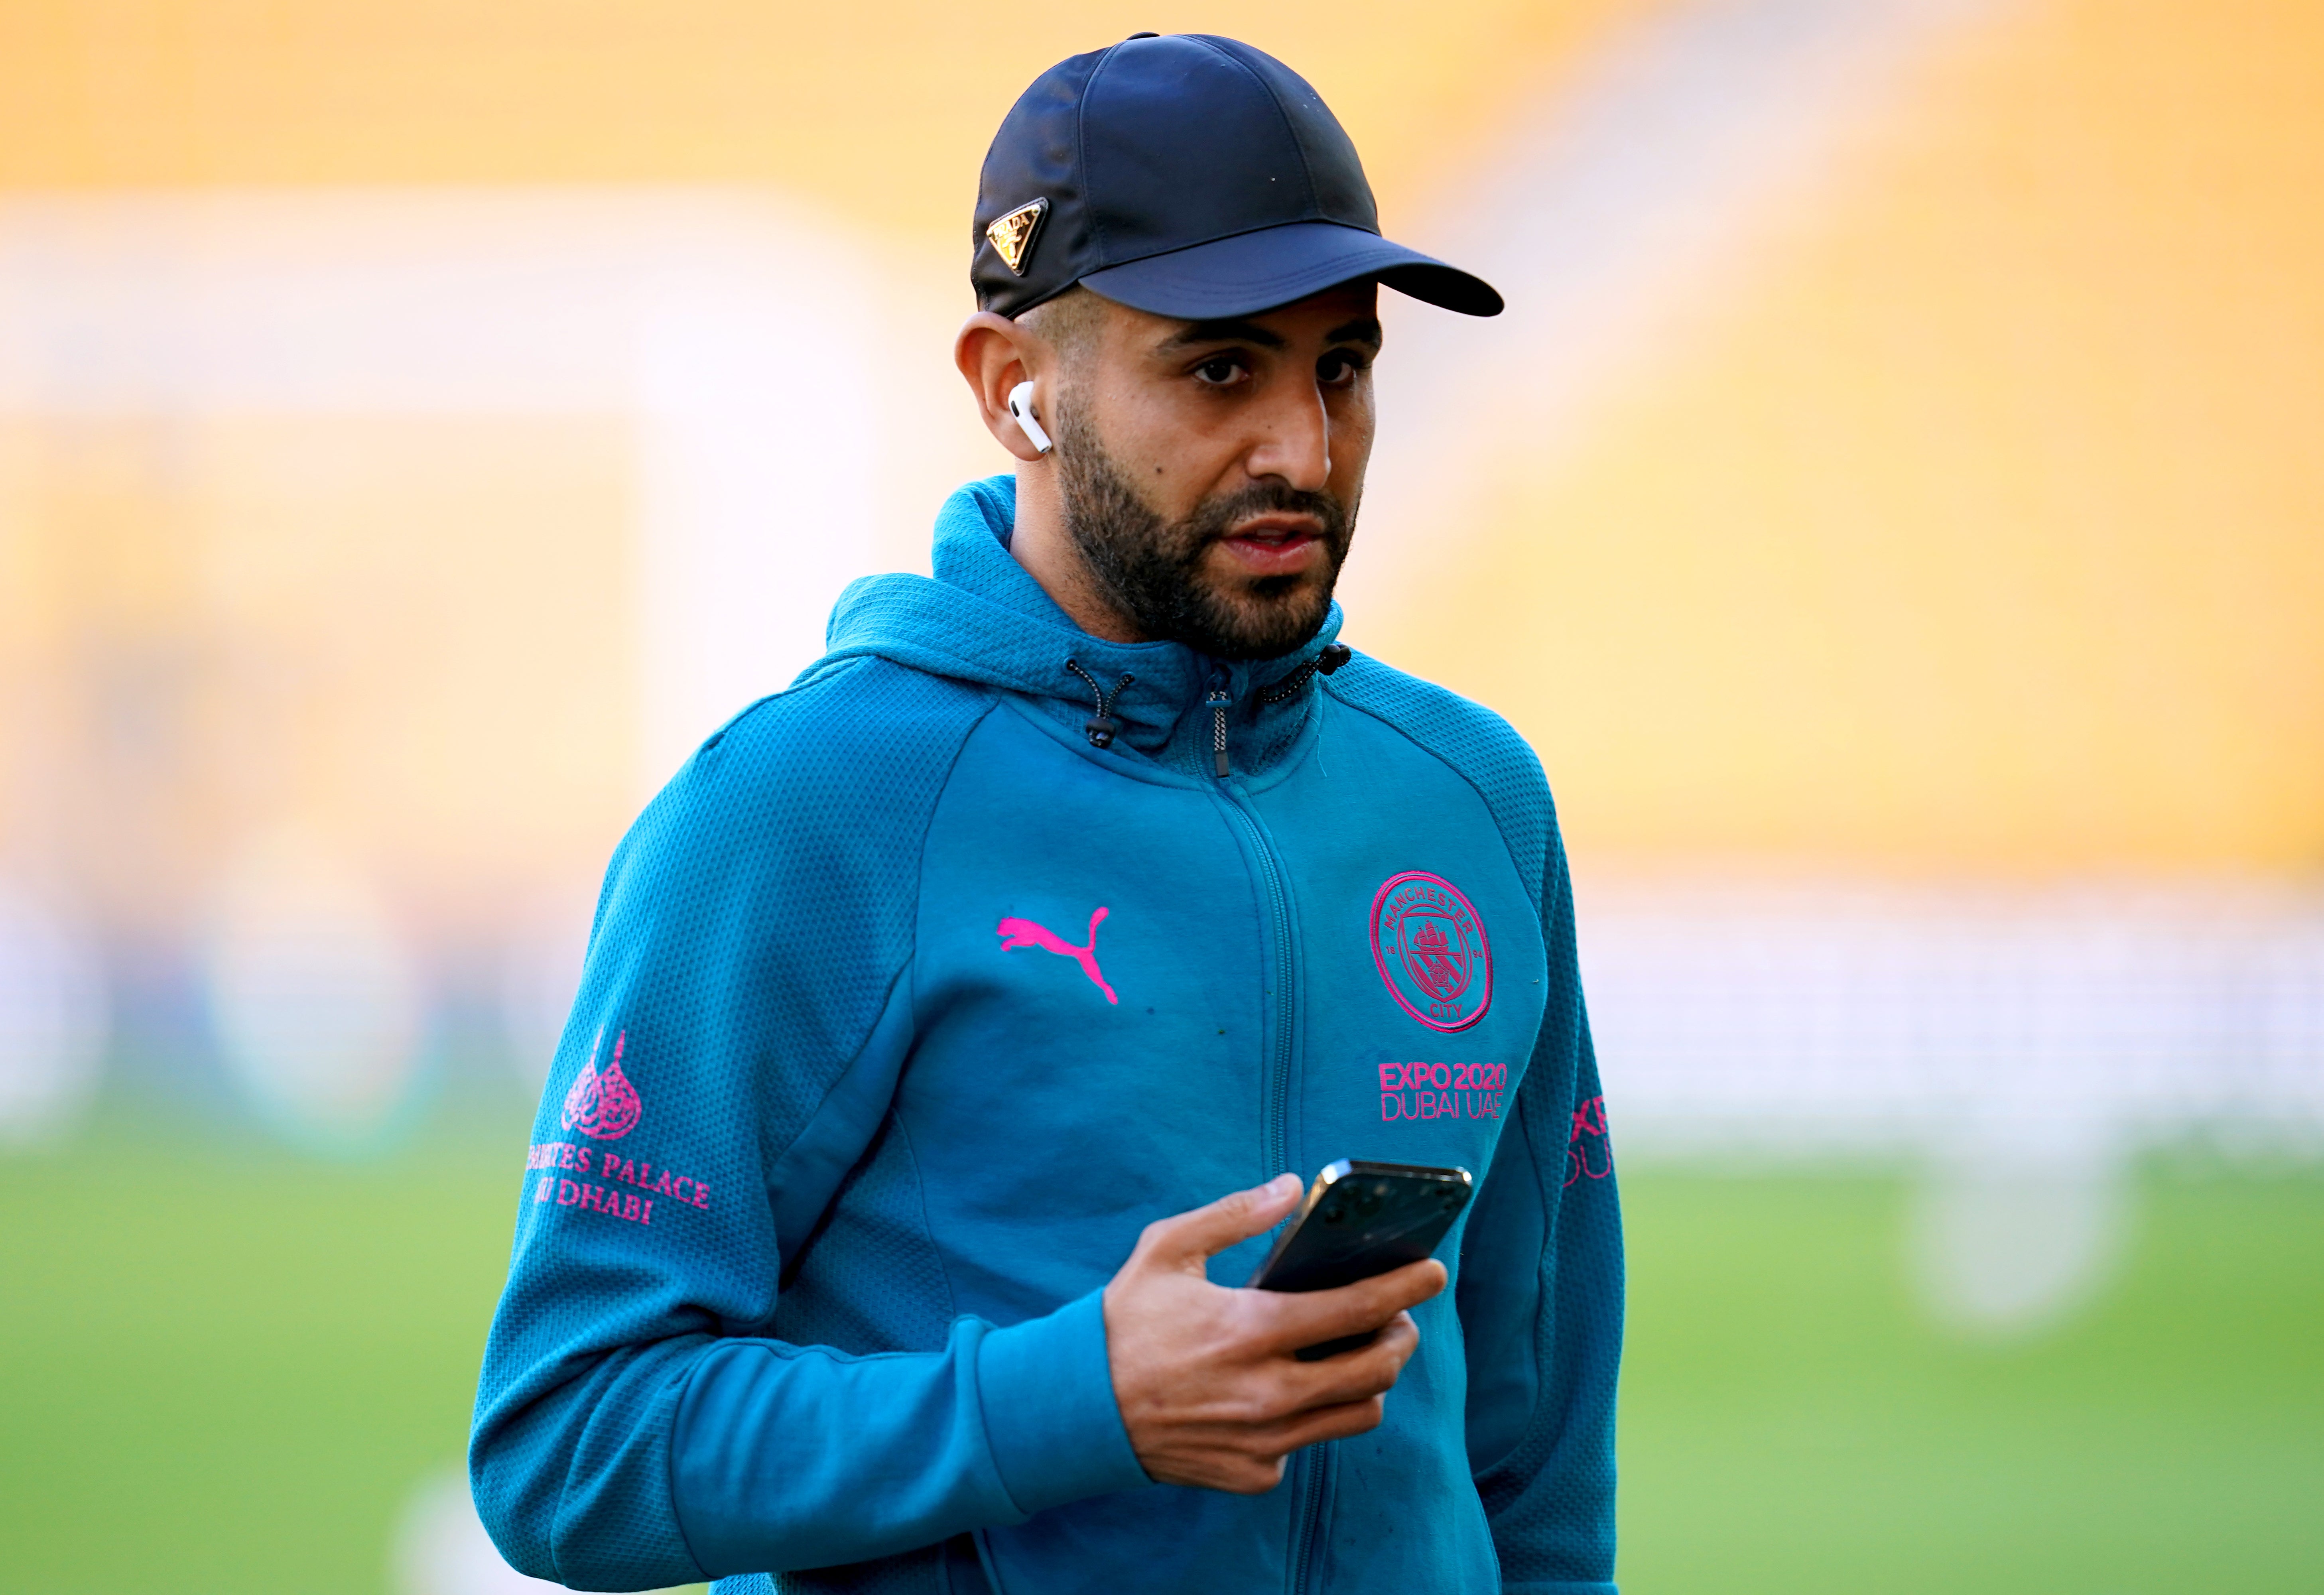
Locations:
1219 373
1338 369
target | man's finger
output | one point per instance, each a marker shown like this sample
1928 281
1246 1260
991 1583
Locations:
1355 1375
1321 1423
1333 1423
1308 1318
1194 1236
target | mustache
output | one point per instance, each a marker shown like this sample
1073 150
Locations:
1217 518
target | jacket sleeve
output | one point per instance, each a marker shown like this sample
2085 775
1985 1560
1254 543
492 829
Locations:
1540 1299
743 1012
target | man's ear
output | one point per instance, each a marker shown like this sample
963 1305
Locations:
994 356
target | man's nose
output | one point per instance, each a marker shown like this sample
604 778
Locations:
1297 443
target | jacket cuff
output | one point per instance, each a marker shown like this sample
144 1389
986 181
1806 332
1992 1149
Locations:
1554 1587
1046 1393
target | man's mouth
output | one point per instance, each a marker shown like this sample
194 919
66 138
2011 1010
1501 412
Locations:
1275 545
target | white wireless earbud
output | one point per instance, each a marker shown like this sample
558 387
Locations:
1021 405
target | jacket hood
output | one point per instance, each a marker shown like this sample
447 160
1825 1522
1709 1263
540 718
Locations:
984 618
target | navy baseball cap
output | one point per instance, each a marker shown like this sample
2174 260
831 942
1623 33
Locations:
1189 176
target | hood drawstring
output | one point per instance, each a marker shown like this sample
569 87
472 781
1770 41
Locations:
1101 725
1328 659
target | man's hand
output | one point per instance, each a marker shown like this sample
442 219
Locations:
1205 1377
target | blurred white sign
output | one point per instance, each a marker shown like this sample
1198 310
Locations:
754 343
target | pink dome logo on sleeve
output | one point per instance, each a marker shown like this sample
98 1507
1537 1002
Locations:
604 1106
1432 951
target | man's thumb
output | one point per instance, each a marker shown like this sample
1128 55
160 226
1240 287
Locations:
1195 1235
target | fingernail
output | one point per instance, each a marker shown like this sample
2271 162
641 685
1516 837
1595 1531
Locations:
1283 1184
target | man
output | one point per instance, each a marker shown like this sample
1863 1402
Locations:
949 1022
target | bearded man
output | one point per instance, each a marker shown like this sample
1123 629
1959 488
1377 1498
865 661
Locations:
950 1021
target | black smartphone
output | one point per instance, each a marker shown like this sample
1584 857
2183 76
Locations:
1362 1219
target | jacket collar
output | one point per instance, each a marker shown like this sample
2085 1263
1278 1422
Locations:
984 618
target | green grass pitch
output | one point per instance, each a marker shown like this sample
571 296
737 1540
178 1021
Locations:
223 1370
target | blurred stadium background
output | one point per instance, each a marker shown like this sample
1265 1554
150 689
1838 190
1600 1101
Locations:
1893 507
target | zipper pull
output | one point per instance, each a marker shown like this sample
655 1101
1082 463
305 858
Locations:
1218 700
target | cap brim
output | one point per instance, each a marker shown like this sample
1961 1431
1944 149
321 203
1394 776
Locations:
1254 271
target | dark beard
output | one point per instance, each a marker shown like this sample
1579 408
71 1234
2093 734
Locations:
1152 569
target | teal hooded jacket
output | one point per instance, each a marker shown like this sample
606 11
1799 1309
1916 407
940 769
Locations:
917 995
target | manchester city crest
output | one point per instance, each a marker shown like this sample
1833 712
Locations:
1432 952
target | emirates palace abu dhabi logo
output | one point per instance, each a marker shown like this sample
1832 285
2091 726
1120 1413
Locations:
1432 952
605 1107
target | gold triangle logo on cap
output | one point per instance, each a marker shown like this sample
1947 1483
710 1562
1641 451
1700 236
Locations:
1012 234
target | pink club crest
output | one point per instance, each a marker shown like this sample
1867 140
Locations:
604 1106
1431 950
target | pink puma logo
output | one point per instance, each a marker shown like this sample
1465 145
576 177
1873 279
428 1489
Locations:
1024 933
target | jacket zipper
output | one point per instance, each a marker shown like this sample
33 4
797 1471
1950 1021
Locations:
1275 1109
1308 1526
1306 1466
